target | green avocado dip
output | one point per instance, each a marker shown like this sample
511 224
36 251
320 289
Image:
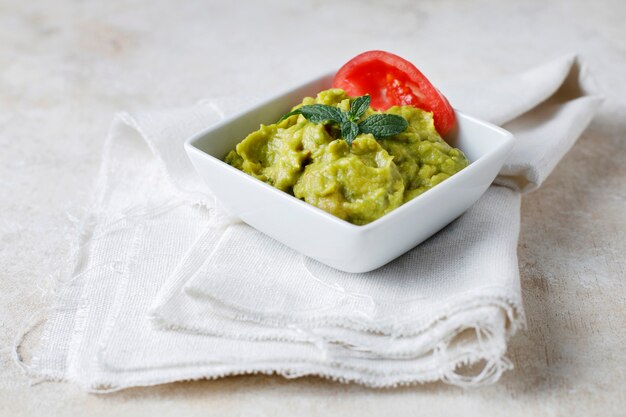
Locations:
357 182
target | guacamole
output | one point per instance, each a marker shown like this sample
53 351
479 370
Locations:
360 182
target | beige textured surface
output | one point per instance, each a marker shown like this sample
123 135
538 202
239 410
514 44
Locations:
66 67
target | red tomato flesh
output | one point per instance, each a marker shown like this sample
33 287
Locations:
394 81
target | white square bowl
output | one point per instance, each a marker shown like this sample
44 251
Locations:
320 235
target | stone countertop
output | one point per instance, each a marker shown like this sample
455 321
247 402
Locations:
66 67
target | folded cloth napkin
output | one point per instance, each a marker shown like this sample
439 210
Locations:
165 286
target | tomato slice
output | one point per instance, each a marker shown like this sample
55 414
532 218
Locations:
394 81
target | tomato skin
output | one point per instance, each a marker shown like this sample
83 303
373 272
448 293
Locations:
393 81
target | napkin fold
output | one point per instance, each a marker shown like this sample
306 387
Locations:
166 286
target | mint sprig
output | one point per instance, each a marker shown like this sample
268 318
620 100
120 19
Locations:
379 125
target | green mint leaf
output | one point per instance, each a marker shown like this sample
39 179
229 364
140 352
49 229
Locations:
318 113
349 130
382 125
358 107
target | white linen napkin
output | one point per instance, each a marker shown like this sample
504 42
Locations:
228 300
